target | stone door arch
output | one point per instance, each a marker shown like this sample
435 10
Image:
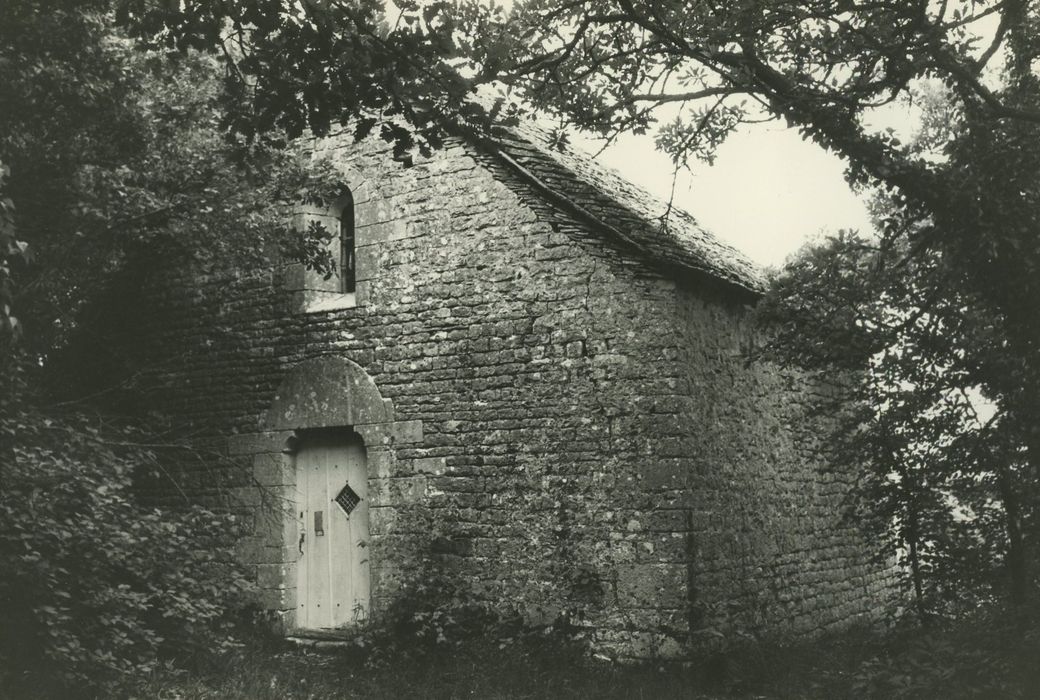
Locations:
323 395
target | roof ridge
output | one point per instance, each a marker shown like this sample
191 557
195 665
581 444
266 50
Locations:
603 194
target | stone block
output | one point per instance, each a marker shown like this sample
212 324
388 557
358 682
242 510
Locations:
407 490
244 497
382 463
382 520
275 575
667 521
651 585
277 599
396 433
249 550
379 492
329 391
382 232
368 263
276 529
273 469
363 297
426 465
256 443
664 473
373 212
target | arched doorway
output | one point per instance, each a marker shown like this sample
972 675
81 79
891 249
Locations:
327 411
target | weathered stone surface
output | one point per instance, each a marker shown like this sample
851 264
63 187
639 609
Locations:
273 469
326 392
253 443
400 432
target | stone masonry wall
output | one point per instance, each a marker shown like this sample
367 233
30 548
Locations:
768 549
560 427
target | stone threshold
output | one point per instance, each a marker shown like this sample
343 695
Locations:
320 639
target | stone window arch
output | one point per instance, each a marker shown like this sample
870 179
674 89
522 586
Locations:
315 291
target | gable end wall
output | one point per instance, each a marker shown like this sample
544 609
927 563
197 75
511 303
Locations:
563 425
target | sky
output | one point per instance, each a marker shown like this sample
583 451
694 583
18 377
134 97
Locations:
768 193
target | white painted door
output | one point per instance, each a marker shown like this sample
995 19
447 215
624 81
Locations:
332 584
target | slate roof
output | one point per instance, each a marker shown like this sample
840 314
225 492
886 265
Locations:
676 240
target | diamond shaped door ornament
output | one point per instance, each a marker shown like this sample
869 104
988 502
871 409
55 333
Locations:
347 499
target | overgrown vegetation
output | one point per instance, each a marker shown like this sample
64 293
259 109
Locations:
969 661
105 151
936 404
98 589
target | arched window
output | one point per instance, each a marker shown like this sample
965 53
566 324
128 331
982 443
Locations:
316 291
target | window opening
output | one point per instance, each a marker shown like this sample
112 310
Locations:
347 260
348 499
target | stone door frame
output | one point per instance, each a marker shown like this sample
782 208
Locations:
324 392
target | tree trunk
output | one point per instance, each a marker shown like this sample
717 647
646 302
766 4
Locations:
1016 556
915 565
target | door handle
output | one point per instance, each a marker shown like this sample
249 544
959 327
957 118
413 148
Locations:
303 536
319 523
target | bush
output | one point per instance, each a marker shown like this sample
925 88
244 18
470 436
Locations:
97 588
432 613
435 614
989 654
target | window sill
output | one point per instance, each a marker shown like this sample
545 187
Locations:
317 302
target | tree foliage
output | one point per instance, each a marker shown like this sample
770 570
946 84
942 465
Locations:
946 479
97 588
945 414
311 65
109 151
113 150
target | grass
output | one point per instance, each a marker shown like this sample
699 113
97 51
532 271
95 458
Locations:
532 669
965 661
989 656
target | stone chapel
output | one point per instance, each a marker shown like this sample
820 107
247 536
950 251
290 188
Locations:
524 376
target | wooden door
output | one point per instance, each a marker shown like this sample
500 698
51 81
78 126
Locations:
332 584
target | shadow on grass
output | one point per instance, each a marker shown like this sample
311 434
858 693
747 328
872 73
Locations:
991 655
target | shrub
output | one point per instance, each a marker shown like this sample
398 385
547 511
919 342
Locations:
432 612
989 654
97 588
436 612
